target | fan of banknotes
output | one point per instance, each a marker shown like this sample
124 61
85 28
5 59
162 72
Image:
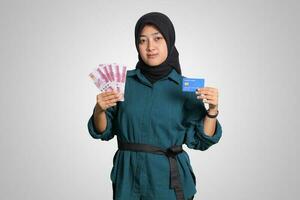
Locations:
108 77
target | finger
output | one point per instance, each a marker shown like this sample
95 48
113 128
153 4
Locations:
106 99
205 92
210 97
111 96
108 93
204 88
111 104
211 102
115 99
208 101
214 93
207 95
211 89
104 96
121 96
110 101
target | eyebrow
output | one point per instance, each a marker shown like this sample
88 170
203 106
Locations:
157 33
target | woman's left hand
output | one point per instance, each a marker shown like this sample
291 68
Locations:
209 95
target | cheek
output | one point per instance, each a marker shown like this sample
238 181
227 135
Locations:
141 51
164 51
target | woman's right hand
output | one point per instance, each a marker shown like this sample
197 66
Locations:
107 99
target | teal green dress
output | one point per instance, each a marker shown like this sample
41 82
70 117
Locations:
159 114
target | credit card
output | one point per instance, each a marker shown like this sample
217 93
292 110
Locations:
191 84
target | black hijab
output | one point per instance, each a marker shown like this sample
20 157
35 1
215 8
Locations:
166 28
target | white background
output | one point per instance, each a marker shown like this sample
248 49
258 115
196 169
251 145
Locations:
249 50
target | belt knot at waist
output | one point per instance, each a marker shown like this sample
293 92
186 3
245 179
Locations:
170 152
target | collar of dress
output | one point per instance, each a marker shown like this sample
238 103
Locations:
174 76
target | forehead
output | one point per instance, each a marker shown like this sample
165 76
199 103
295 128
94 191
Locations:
149 30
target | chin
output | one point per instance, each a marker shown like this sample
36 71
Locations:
153 64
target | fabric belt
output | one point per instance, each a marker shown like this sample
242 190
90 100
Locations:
171 153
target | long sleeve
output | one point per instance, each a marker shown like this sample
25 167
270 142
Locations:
194 114
111 127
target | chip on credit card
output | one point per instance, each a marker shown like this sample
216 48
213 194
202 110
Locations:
192 84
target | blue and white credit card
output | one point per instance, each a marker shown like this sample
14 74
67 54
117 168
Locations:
191 84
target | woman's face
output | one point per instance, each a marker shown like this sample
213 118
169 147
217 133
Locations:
152 46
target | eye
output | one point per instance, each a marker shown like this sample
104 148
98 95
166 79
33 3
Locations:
158 38
141 41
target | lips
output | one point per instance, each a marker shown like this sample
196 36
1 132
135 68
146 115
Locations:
151 55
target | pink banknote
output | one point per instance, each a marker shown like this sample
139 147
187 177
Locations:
108 77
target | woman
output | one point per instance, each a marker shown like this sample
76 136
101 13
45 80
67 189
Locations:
155 119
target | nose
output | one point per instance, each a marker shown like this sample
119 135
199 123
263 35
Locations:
150 45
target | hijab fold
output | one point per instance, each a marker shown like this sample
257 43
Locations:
166 28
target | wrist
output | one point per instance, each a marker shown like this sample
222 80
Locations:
211 113
98 110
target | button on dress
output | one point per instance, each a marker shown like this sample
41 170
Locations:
159 114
